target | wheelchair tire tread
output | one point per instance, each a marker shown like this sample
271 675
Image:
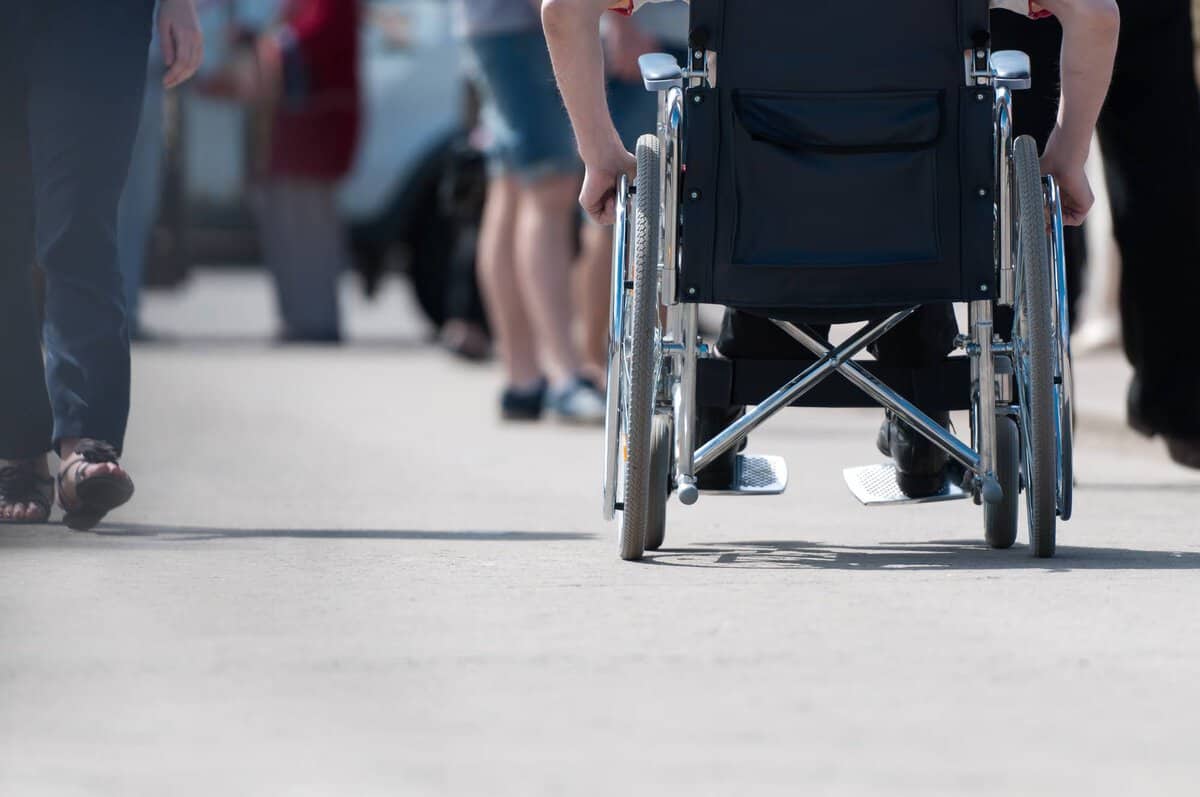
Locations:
1041 468
639 442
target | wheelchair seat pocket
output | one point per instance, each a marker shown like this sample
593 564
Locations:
835 180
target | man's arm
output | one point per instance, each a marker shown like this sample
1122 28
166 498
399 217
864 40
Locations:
1090 29
573 34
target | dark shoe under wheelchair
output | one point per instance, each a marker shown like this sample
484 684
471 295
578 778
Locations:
921 467
810 182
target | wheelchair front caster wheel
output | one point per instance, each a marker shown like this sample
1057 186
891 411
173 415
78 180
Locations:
1001 519
660 481
992 492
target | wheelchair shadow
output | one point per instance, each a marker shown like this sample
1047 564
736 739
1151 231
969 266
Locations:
916 556
203 533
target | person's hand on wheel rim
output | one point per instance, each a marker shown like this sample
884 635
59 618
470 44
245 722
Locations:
181 40
1073 184
599 194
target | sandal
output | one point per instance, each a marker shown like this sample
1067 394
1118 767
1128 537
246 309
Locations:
21 484
95 496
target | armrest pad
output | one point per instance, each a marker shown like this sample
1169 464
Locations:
1012 69
660 71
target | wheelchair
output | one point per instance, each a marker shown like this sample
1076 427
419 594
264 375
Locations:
853 161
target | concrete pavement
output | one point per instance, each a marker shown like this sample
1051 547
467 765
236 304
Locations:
342 575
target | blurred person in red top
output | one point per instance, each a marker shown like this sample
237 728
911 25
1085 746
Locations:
310 83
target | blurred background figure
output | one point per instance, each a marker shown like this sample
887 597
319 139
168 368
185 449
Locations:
656 28
527 241
308 87
1149 135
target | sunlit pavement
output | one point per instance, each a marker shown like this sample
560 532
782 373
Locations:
341 575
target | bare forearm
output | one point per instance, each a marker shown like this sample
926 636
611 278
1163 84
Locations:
573 34
1090 29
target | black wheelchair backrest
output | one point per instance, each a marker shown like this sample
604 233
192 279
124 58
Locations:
842 159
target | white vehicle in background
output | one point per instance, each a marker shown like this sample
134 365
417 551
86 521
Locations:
416 118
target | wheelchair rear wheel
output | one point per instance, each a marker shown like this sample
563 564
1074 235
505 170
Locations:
645 497
1035 353
1001 520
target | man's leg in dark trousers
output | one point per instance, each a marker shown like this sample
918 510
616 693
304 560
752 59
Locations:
87 71
1150 136
25 420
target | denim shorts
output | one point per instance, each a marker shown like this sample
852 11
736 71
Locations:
530 132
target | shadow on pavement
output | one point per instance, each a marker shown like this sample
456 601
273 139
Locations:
201 342
1158 487
917 556
194 533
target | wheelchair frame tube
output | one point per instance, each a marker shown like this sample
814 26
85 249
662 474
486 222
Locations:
684 401
682 321
981 329
830 360
877 390
1004 217
670 123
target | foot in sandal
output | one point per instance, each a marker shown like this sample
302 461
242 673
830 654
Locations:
90 483
26 491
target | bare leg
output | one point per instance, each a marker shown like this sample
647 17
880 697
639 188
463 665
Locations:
593 289
498 281
545 250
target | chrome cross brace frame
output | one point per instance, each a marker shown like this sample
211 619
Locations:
873 387
831 359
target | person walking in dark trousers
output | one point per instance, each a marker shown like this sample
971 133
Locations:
1150 138
72 74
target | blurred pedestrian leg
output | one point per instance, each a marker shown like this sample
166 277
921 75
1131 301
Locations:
1149 135
138 210
501 288
72 74
527 241
303 246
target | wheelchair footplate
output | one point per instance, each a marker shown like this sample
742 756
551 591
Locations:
876 485
756 475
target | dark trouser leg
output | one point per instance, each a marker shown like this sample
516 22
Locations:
1150 134
25 420
87 69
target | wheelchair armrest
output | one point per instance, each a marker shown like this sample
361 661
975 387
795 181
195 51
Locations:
660 71
1012 70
